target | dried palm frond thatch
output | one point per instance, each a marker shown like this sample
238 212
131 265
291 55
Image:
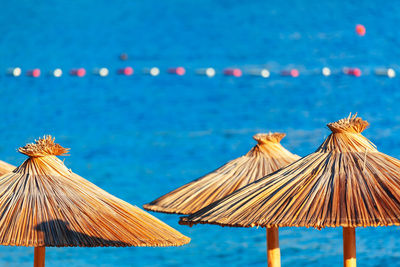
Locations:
42 203
264 158
6 167
347 182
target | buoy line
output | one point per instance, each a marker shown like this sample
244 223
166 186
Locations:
208 72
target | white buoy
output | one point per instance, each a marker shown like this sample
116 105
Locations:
14 71
56 73
154 71
258 72
210 72
103 72
391 73
326 71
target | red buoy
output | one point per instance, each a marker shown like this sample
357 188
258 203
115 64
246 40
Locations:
360 30
291 72
233 72
178 71
127 71
33 73
352 71
78 72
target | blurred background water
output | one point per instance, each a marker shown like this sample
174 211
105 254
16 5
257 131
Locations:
139 137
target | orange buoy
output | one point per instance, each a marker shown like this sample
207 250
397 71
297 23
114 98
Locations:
360 30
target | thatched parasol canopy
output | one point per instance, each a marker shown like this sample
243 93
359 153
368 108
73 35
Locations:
43 203
5 167
347 182
265 157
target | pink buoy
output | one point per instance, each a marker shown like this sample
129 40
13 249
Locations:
33 73
78 72
291 72
360 30
352 71
178 71
233 72
127 71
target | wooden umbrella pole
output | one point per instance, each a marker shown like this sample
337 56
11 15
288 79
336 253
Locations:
39 257
273 251
349 247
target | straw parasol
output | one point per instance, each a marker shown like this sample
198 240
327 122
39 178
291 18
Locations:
346 182
5 167
44 204
265 157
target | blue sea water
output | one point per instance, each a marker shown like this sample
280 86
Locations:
139 137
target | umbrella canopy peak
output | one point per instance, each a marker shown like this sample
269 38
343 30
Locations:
269 146
263 138
346 137
351 124
43 147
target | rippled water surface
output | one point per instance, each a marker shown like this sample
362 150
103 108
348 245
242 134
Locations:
139 137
